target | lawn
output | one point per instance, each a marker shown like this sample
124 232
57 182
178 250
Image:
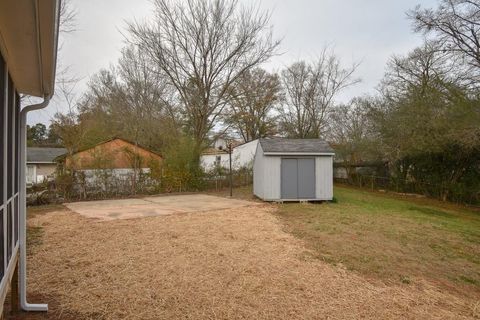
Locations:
405 241
368 256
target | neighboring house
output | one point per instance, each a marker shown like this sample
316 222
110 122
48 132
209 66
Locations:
213 158
28 55
242 157
244 154
293 170
119 157
219 143
41 164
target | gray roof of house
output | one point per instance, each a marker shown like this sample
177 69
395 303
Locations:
44 155
281 145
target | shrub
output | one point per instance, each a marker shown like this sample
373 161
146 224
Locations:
181 167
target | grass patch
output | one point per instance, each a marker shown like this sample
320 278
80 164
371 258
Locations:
242 193
34 237
35 233
33 211
387 237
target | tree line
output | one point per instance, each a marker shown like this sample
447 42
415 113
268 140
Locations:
198 67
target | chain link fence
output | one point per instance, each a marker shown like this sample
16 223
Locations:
110 184
405 186
240 178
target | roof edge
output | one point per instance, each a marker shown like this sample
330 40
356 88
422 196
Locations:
110 140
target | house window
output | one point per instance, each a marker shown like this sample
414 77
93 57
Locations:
218 160
31 175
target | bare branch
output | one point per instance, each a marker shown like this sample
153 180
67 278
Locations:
310 92
203 47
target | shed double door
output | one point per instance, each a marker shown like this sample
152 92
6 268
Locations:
298 178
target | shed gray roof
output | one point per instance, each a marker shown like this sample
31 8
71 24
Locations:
281 145
44 155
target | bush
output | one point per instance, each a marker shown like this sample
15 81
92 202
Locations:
181 167
64 183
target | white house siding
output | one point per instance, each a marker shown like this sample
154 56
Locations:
94 176
45 171
324 177
31 174
208 161
220 142
39 172
242 156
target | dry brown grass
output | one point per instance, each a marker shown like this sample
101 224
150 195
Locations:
242 193
217 265
394 240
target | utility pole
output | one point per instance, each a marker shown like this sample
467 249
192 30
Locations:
230 149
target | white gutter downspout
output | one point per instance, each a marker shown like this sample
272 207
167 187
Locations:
22 223
22 236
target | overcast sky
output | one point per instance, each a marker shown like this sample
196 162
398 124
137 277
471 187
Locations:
366 31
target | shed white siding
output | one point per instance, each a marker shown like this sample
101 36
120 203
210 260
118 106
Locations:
324 178
258 175
271 174
267 176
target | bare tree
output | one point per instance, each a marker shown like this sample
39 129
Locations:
425 106
351 131
66 126
424 68
129 100
144 97
65 81
135 92
310 92
455 24
203 47
68 25
294 114
253 98
68 16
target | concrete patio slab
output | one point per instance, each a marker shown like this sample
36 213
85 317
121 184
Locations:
154 206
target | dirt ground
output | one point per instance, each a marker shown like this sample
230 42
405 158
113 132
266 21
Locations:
223 264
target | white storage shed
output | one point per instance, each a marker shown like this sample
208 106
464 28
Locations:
293 170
